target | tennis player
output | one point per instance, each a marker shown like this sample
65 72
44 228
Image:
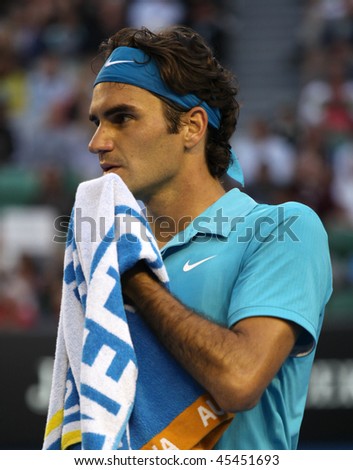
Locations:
249 282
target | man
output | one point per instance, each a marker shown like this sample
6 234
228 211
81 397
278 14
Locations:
248 282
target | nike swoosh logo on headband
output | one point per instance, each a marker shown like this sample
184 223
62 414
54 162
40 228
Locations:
112 62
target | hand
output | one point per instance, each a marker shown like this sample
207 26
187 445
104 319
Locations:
133 280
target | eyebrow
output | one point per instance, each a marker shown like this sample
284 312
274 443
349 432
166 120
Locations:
119 109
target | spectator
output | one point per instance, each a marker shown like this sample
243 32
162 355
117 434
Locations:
316 94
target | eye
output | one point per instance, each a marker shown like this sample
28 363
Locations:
121 118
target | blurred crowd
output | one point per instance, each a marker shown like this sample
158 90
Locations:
46 51
305 152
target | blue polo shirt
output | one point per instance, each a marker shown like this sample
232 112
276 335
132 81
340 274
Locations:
240 259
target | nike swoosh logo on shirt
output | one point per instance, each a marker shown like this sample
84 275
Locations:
188 267
112 62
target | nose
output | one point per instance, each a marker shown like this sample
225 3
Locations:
100 142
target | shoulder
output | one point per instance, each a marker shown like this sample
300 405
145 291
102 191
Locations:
256 223
304 220
291 229
296 213
290 208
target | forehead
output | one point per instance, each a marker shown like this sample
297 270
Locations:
108 94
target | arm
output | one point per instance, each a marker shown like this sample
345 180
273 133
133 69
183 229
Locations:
234 366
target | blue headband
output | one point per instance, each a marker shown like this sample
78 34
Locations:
133 67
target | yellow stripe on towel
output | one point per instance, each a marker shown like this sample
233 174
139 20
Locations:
55 421
70 438
199 426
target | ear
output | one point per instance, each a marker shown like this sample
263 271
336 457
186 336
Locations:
195 125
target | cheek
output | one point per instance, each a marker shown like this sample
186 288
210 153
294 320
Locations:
155 149
171 145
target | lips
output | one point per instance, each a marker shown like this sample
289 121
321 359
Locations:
107 167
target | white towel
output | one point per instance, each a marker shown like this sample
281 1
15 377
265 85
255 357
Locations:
99 399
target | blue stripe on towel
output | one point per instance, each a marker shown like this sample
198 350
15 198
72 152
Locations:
69 273
102 248
71 398
129 249
77 294
98 337
72 417
93 441
98 397
56 445
115 297
122 209
79 275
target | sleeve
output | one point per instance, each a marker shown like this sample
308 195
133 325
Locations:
286 272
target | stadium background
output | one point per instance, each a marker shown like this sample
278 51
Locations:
294 63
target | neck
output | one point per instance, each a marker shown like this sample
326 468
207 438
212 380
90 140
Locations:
171 213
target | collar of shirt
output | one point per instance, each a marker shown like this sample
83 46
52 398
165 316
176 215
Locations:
218 219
